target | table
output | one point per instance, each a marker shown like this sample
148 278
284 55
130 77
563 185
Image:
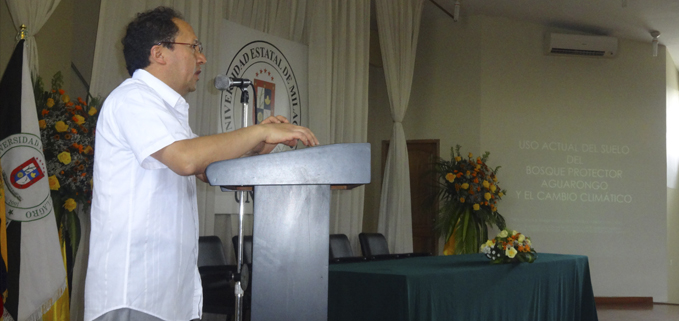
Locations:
462 287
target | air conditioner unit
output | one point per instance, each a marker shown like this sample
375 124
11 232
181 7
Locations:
581 45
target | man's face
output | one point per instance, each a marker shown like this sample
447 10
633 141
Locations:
184 60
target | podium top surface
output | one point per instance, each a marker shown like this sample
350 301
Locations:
336 164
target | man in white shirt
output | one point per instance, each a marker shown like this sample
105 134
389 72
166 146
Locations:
144 238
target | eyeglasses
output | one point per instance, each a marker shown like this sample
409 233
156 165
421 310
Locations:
193 46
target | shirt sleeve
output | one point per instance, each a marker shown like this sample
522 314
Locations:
147 125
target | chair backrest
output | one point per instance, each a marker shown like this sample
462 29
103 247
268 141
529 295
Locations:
211 251
247 248
373 244
340 246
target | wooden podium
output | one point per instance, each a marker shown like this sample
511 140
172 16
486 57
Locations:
291 217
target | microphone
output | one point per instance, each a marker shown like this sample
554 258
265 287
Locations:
222 82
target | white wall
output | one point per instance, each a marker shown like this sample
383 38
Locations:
486 84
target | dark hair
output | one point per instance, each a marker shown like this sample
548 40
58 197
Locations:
145 31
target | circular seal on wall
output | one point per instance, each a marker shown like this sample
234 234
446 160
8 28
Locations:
27 193
276 89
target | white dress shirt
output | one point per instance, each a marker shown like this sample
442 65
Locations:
144 238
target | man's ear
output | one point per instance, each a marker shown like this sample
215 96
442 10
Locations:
157 55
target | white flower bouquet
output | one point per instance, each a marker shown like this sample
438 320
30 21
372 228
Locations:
509 247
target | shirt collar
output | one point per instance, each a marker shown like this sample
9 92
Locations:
169 95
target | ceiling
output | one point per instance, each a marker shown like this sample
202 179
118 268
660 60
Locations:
628 19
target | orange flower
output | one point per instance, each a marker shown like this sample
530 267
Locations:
74 131
450 177
69 104
77 107
61 92
44 112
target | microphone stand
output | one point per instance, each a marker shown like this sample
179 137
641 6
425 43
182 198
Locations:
238 289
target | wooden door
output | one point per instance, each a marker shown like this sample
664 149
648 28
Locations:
420 156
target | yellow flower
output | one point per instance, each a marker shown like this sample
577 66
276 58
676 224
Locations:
450 177
461 199
70 204
511 252
79 119
522 238
501 194
503 234
465 186
42 124
65 98
486 184
92 111
64 157
487 196
50 102
489 243
471 155
493 188
61 126
514 232
54 183
476 207
458 158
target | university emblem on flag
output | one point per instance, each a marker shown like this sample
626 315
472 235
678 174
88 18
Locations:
275 86
266 95
27 196
26 174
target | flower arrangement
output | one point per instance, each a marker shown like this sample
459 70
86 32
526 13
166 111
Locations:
469 191
508 247
67 130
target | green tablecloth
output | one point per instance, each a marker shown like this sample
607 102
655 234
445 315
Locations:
462 287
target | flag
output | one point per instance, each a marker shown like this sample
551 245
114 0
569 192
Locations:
36 278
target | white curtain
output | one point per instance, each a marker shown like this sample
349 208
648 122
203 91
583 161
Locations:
33 14
398 24
348 105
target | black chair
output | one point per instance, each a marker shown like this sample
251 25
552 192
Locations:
340 250
215 277
340 246
374 245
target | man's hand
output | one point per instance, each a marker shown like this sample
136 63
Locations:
266 147
192 156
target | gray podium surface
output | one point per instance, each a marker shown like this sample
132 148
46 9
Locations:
291 217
